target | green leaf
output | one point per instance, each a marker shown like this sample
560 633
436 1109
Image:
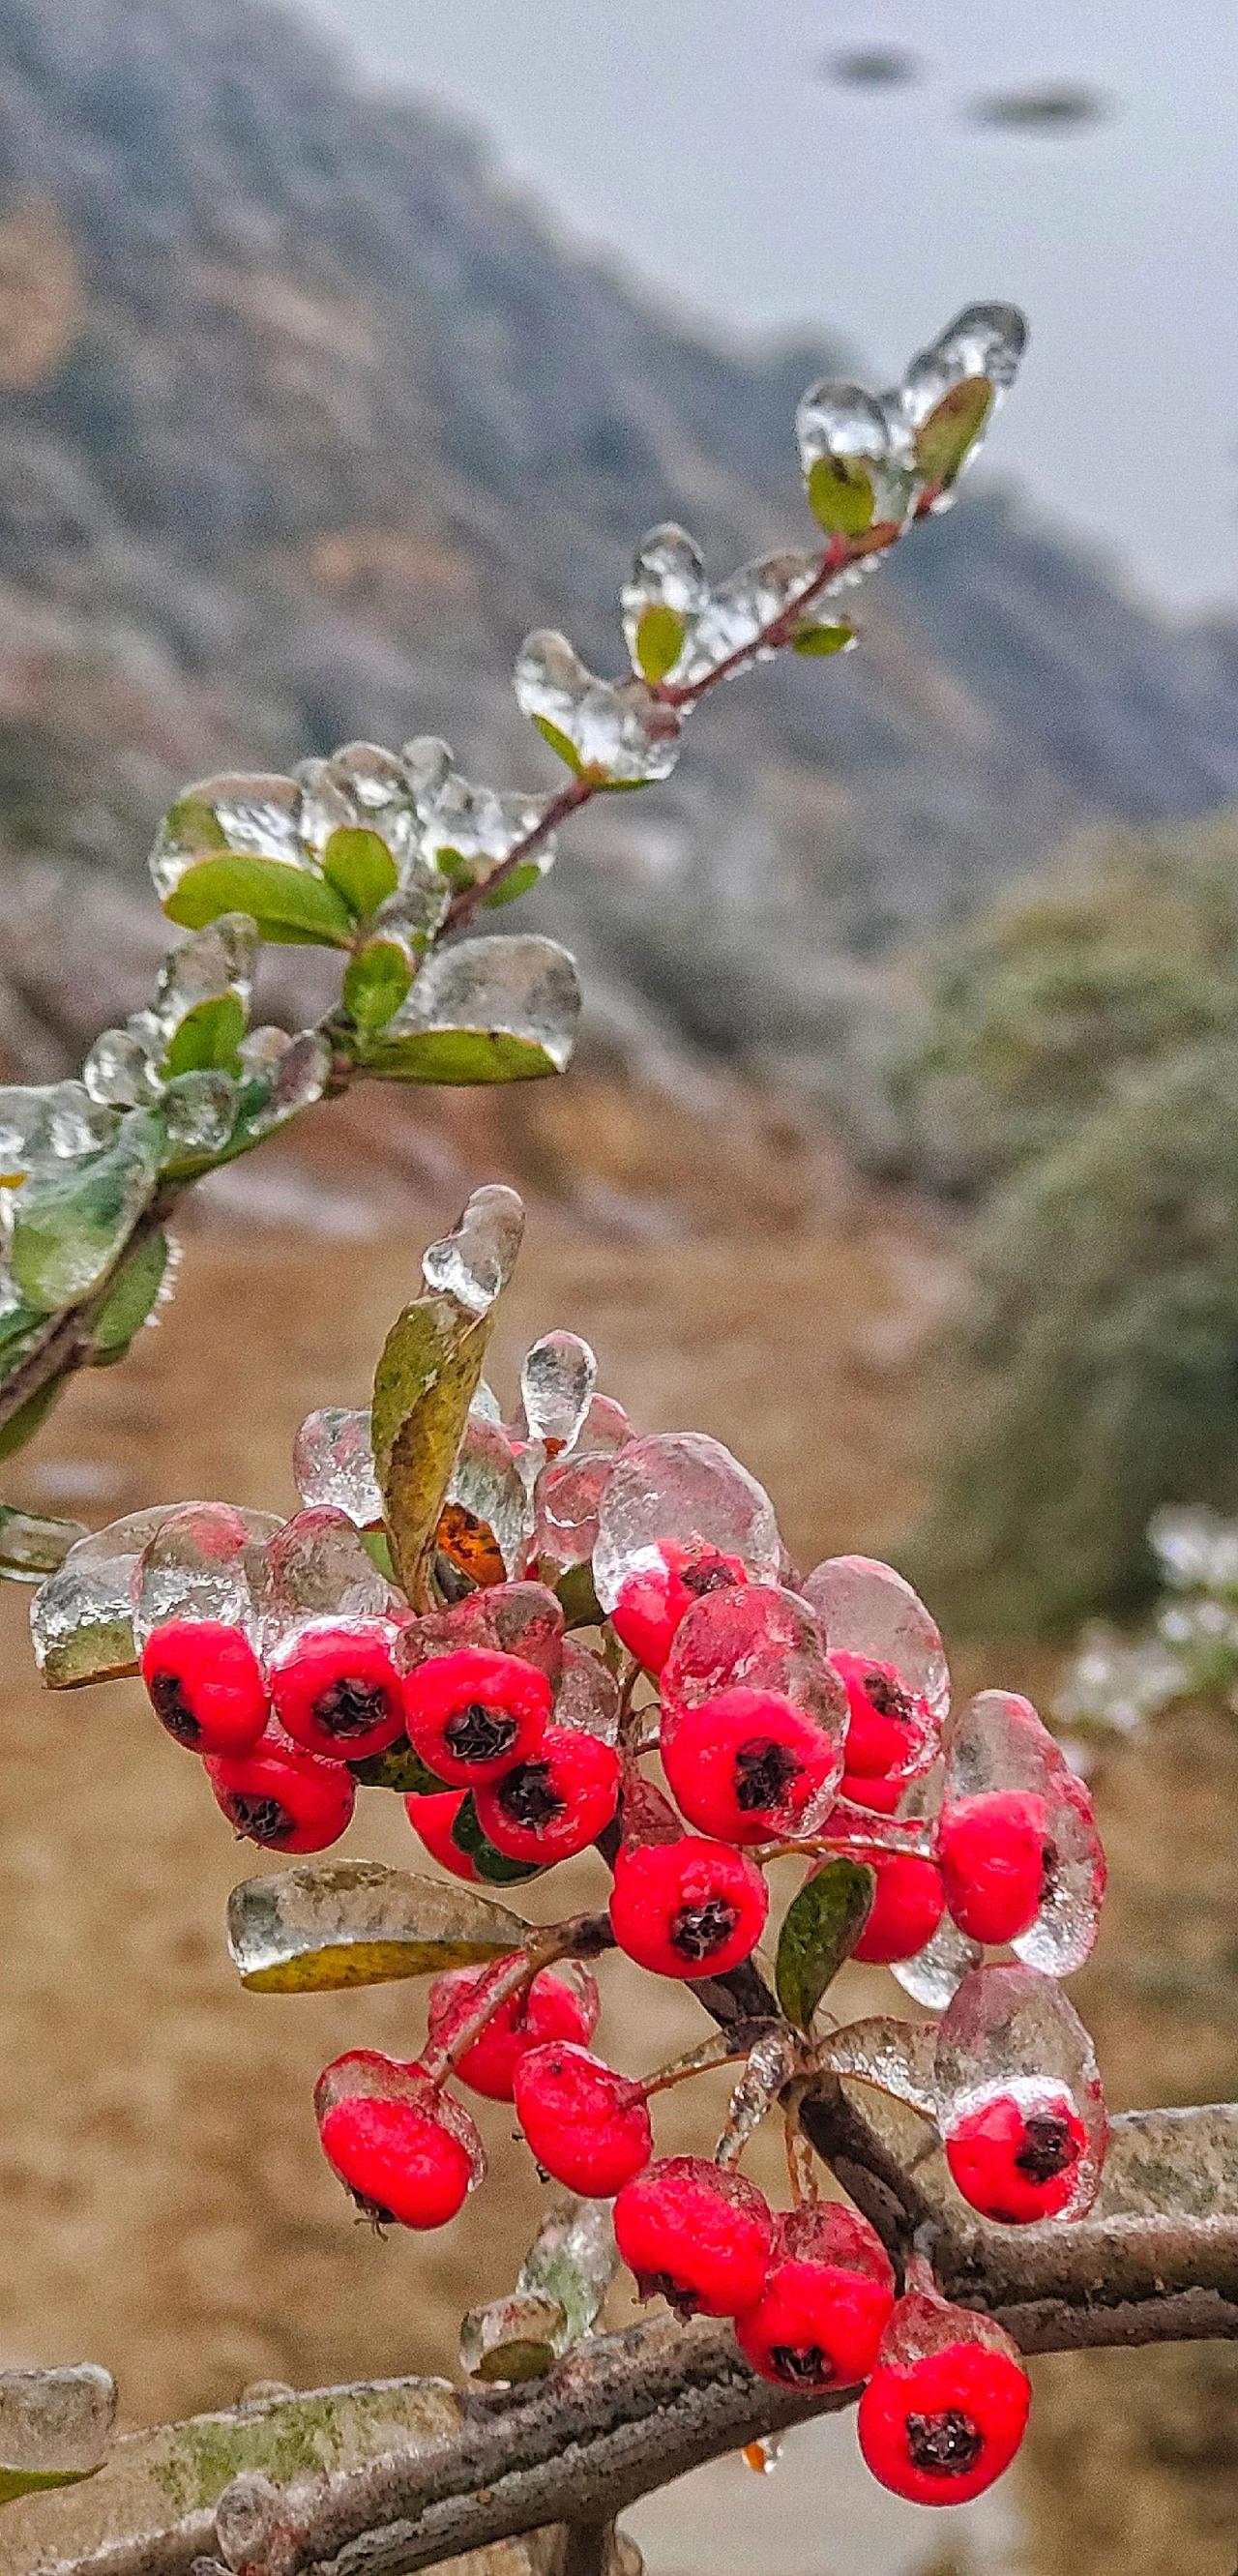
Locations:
951 429
426 1379
560 744
575 1591
458 1057
559 2295
823 639
334 1923
840 496
70 1227
360 866
398 1768
659 640
31 1548
29 1417
485 1010
208 1038
820 1929
292 907
521 881
132 1296
490 1864
376 981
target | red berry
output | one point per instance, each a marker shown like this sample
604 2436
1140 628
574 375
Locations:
656 1597
689 1908
995 1858
699 2236
1017 2162
586 2124
205 1684
283 1798
889 1726
908 1905
827 2299
432 1818
881 1797
561 2003
473 1714
940 2429
556 1803
407 2153
748 1765
336 1689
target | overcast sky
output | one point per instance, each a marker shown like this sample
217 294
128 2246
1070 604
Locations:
697 138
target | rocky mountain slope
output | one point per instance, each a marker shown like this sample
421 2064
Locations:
306 418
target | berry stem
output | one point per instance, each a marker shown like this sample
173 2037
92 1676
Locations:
583 1936
725 2050
802 2168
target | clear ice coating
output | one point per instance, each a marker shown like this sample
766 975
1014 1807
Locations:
486 1483
619 733
568 1497
199 1111
523 986
997 1745
866 1608
666 590
755 1636
739 611
333 1463
207 966
859 472
55 2424
317 1567
200 1564
680 1485
923 2325
464 830
365 2075
299 1076
587 1696
72 1220
253 816
120 1071
332 1923
937 1971
43 1126
1009 2033
81 1618
557 1382
605 1426
982 349
475 1261
521 1619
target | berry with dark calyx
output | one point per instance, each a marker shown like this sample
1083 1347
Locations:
561 2003
473 1714
825 2302
336 1689
747 1766
946 2407
432 1819
890 1728
695 2234
407 2152
587 2125
996 1862
557 1802
205 1684
908 1903
1016 2161
656 1597
283 1798
689 1908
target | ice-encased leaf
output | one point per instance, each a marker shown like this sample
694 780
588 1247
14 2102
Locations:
560 2291
492 1538
665 591
952 389
867 1608
69 1226
235 845
615 734
486 1010
376 981
55 2427
199 1113
466 832
292 906
820 1929
733 625
858 473
120 1071
333 1463
557 1381
31 1548
297 1080
81 1618
680 1485
43 1125
133 1294
202 998
333 1923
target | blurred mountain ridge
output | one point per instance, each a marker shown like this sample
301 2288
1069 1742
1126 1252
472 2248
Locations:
307 418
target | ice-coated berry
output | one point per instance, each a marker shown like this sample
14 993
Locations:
938 2429
474 1714
1017 2161
890 1728
282 1798
408 2155
995 1861
695 2234
689 1908
432 1819
656 1597
881 1797
747 1766
336 1689
205 1684
587 2125
561 2003
908 1904
825 2302
557 1802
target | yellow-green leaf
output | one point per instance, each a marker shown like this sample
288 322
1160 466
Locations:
292 907
951 429
840 495
334 1923
659 640
559 743
427 1376
823 639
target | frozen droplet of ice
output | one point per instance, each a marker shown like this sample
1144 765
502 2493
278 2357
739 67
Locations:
684 1486
556 1388
299 1078
733 625
200 1111
866 1608
46 1124
198 1564
521 1619
486 1483
1009 2033
333 1463
937 1971
81 1618
254 817
119 1071
475 1261
317 1567
997 1745
619 733
605 1426
568 1495
952 390
859 474
209 964
588 1696
922 2326
666 590
754 1636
